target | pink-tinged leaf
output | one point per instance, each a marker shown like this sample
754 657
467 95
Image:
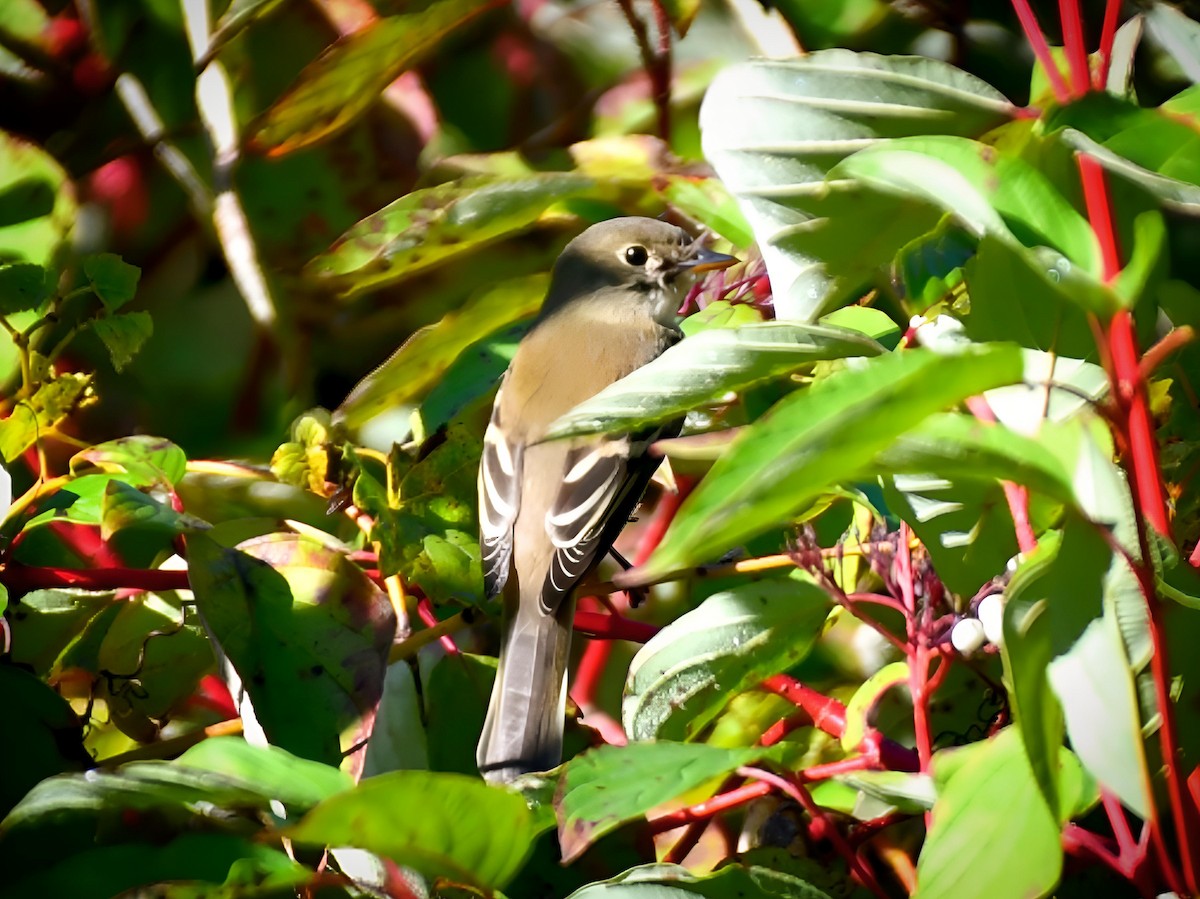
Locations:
304 629
342 83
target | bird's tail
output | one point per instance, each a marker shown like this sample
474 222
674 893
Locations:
524 727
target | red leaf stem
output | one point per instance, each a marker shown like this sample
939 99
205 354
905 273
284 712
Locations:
1108 33
1072 26
796 790
703 811
426 614
826 712
595 656
21 579
613 627
1141 461
1037 41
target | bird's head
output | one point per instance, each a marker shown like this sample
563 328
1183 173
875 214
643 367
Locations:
653 260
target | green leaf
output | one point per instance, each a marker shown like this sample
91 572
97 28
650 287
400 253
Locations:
114 280
433 225
22 287
149 461
304 628
466 830
708 202
664 881
814 440
603 788
125 506
1179 35
398 739
51 737
681 13
682 678
53 401
468 380
1041 301
989 192
193 864
1075 583
456 696
705 367
346 80
421 364
162 785
280 775
432 539
37 204
720 314
992 834
123 335
796 119
859 707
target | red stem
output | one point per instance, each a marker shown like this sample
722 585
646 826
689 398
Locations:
613 627
826 712
797 791
594 660
703 811
1037 41
20 579
1141 459
1068 11
1108 33
426 614
1016 495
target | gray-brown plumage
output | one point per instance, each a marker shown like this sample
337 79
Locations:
549 511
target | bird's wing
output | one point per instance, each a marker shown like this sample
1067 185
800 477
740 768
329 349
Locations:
499 502
602 484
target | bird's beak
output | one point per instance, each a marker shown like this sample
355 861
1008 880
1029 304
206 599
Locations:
707 261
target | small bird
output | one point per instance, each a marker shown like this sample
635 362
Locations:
549 511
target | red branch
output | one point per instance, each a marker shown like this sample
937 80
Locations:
20 579
595 655
1037 41
429 617
1108 34
1141 461
704 811
613 627
1068 11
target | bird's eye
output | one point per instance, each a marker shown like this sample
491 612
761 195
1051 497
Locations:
636 255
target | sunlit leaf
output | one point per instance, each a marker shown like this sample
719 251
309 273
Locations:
147 460
53 401
37 204
304 628
420 365
773 129
277 773
466 831
664 881
989 192
432 538
993 835
601 789
682 678
813 440
705 367
432 225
